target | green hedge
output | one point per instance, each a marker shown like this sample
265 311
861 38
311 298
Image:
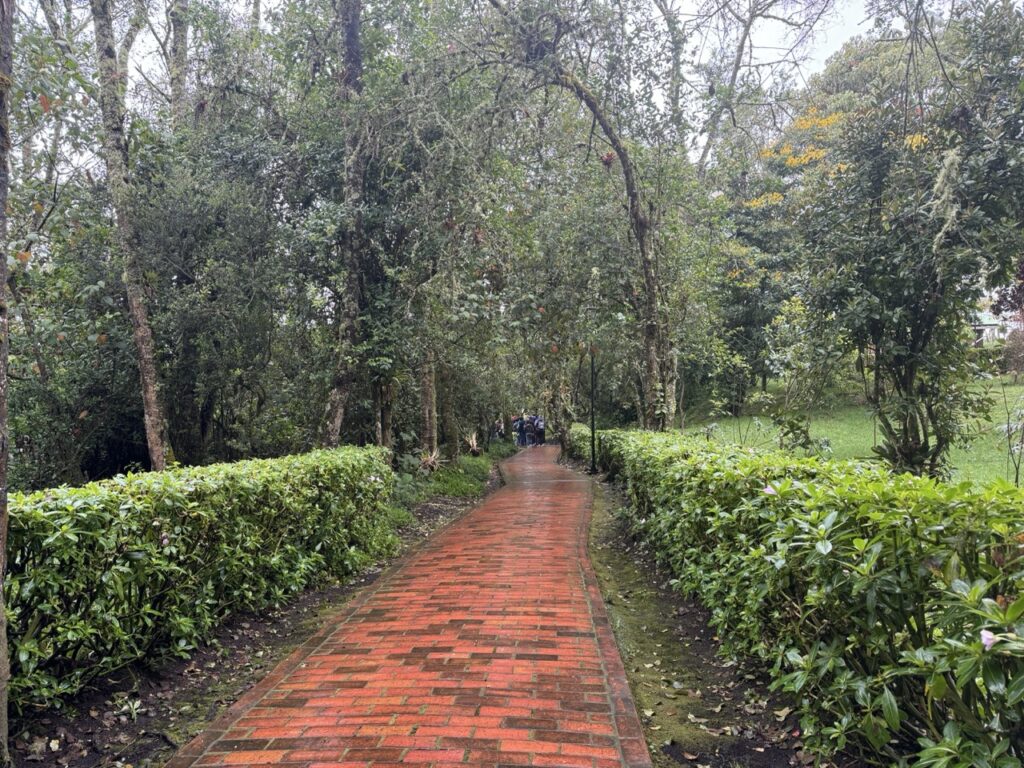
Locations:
109 573
892 607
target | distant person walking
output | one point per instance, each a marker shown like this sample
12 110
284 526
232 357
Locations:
531 431
540 430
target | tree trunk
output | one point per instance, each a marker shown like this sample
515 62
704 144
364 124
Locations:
178 65
350 86
387 415
7 11
640 224
682 402
652 332
114 149
334 415
428 405
383 413
449 424
378 431
671 377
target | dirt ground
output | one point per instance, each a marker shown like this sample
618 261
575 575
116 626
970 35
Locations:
140 717
697 708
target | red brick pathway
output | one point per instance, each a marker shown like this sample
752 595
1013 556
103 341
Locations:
490 646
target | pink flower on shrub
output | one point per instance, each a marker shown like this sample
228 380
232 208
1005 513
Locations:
988 639
770 491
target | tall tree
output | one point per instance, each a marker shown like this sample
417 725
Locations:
112 71
7 11
348 299
909 222
745 72
178 60
537 40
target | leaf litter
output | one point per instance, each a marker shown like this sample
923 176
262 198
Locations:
698 709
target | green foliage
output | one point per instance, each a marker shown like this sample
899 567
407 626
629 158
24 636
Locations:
892 608
142 565
465 477
846 430
577 441
906 219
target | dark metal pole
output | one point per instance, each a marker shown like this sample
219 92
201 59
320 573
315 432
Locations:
593 428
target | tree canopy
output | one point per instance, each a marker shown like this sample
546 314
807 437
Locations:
250 231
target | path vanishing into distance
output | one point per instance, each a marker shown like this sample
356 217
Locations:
488 646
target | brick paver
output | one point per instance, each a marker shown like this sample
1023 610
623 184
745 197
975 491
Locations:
489 646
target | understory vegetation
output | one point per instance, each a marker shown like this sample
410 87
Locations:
463 477
890 607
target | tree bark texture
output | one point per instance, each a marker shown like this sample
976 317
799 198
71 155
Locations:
449 422
334 415
7 12
349 89
178 65
115 157
428 404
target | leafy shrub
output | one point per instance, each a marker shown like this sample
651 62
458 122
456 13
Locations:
465 477
577 441
891 606
119 570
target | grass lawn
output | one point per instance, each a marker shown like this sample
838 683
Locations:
851 433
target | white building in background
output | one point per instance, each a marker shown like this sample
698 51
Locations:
989 327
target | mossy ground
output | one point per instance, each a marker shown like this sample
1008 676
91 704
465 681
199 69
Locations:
697 709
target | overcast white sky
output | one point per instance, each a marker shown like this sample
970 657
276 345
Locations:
849 19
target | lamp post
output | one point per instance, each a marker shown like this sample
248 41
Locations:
593 424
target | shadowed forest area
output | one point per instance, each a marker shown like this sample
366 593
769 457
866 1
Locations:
236 232
250 231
